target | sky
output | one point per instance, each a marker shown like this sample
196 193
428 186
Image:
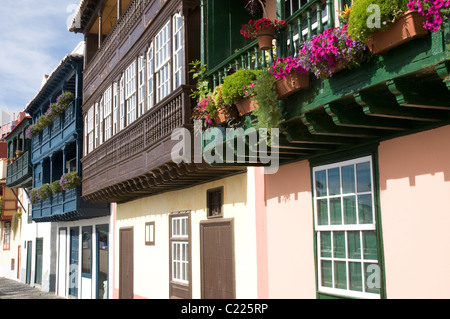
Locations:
34 38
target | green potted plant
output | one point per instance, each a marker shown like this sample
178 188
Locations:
234 88
397 24
70 181
56 187
268 114
221 110
19 153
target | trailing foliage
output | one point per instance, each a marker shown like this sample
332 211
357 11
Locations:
268 114
70 181
362 19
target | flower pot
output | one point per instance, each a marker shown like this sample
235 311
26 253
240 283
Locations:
222 115
291 84
265 37
245 106
406 28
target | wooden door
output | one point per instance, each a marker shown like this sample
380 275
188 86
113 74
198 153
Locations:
217 259
126 263
29 256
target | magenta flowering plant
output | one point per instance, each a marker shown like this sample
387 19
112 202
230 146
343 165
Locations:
331 51
436 12
203 110
249 90
282 67
70 181
251 29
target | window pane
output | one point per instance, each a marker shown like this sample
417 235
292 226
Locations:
370 245
321 183
355 273
340 275
339 244
372 274
354 245
327 279
348 179
350 210
363 176
335 211
334 182
322 211
325 244
365 209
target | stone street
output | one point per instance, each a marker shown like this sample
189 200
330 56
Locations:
11 289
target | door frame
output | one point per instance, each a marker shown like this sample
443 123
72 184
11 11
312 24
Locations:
98 228
212 222
29 262
121 231
62 232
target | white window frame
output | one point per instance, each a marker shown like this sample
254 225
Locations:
131 92
180 245
178 52
150 81
122 110
90 129
107 112
162 62
101 123
141 85
115 107
344 228
96 129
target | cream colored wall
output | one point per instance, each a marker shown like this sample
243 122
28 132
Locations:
290 236
151 263
415 212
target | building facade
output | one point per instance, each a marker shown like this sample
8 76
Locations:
71 233
350 215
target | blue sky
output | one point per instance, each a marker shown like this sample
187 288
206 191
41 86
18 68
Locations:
33 40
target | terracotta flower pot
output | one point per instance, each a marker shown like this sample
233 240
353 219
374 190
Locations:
245 106
292 83
265 37
406 28
222 115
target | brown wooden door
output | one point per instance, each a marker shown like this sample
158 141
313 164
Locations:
126 264
217 259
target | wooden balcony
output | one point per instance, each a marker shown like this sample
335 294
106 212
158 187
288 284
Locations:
401 92
137 161
19 173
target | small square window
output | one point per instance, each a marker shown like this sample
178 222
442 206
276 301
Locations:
214 202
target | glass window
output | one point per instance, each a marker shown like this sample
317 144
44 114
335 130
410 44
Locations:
162 62
130 92
179 242
177 51
150 71
107 112
346 231
90 125
141 85
86 250
115 107
122 103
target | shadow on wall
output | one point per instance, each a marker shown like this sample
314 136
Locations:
424 153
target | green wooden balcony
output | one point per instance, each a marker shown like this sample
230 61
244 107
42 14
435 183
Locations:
19 173
403 91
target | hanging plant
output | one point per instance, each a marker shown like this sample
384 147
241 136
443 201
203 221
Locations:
255 6
44 192
15 221
70 181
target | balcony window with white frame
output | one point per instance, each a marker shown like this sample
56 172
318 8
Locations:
177 50
162 62
141 85
344 218
97 126
90 129
100 124
115 107
122 103
107 112
130 92
150 71
180 249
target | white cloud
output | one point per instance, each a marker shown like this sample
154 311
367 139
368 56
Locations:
33 40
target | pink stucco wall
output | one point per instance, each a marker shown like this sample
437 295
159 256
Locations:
290 238
415 213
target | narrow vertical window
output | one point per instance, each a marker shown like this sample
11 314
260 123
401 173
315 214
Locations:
115 108
122 103
347 245
150 71
90 125
86 251
101 121
107 112
130 92
141 85
85 135
177 51
96 115
162 62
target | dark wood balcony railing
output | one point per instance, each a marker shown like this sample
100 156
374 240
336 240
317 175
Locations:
147 132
